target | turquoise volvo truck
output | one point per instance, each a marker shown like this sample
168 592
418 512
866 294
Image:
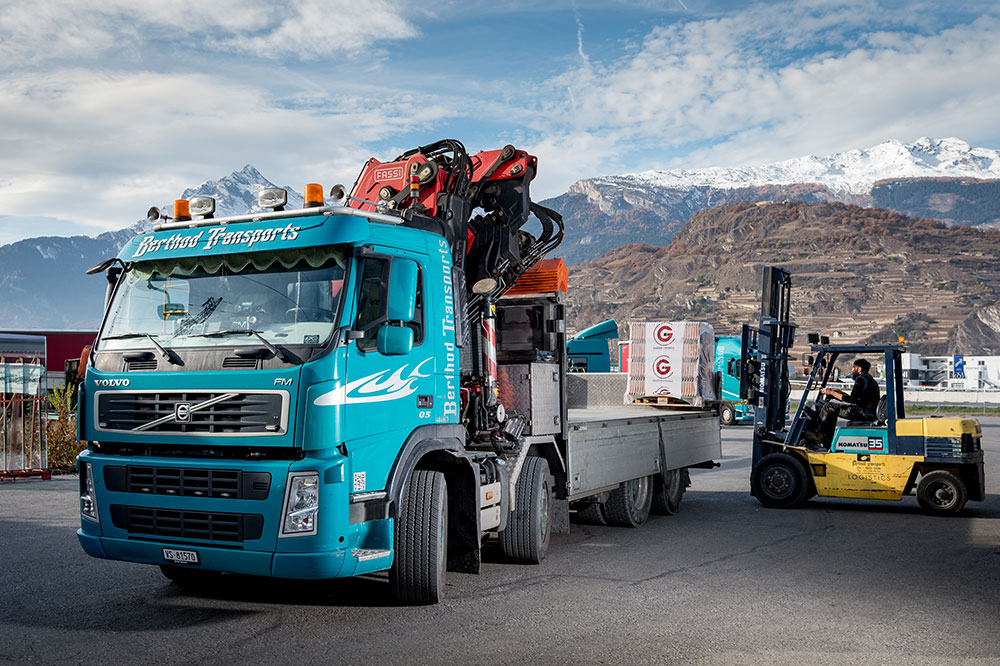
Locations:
349 388
732 409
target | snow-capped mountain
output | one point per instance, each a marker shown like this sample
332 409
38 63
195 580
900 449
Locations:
851 172
943 179
42 279
42 282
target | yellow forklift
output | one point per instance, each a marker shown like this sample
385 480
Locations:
884 458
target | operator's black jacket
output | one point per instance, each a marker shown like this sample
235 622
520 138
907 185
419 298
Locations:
865 393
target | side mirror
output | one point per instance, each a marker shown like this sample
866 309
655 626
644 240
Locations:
402 300
394 340
810 360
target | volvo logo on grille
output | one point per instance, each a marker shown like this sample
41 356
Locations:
182 412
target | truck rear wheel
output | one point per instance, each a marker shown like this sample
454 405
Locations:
629 504
418 572
941 493
779 481
529 528
727 414
593 514
669 491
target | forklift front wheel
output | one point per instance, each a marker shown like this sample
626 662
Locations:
779 481
941 493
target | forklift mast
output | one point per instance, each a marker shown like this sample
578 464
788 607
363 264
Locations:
764 381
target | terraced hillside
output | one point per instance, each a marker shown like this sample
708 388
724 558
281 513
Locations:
858 274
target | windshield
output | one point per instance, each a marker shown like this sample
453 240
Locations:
288 298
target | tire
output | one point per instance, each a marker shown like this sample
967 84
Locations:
529 526
727 414
669 491
418 571
187 576
593 514
779 481
629 504
941 493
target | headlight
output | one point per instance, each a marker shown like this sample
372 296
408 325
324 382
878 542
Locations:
301 504
88 498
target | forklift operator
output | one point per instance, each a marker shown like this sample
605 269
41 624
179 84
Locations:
860 405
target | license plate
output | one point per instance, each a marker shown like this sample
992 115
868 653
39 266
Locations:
182 556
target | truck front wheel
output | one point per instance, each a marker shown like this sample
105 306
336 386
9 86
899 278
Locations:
779 481
727 414
629 503
417 574
941 493
526 538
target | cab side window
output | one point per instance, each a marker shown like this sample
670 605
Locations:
372 299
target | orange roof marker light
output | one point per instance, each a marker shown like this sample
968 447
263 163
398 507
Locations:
181 209
314 195
547 276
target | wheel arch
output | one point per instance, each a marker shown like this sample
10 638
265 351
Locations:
441 448
548 450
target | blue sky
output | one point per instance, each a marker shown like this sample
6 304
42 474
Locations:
108 108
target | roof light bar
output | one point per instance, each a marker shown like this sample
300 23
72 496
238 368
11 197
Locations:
204 206
274 198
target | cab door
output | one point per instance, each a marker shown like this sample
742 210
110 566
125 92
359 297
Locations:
390 380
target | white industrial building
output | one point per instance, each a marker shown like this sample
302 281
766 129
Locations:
960 372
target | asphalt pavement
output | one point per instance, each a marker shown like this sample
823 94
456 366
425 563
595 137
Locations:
724 581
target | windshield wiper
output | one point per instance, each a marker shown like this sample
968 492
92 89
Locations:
168 354
281 354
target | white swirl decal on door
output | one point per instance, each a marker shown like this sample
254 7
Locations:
375 388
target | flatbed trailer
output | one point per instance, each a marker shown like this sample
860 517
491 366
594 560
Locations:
613 452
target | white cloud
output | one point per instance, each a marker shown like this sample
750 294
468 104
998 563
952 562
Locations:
101 148
39 31
319 28
766 84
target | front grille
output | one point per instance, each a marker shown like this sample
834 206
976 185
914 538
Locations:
132 366
187 482
169 523
217 412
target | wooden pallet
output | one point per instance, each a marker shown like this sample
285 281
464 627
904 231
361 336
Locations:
663 401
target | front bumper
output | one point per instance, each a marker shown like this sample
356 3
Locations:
331 564
337 549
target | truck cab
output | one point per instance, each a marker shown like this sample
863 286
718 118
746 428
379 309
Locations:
279 363
732 409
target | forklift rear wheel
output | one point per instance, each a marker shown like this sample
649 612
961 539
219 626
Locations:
779 481
727 414
669 491
418 572
941 493
529 527
629 504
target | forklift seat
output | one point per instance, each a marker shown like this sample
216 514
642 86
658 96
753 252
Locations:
879 420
